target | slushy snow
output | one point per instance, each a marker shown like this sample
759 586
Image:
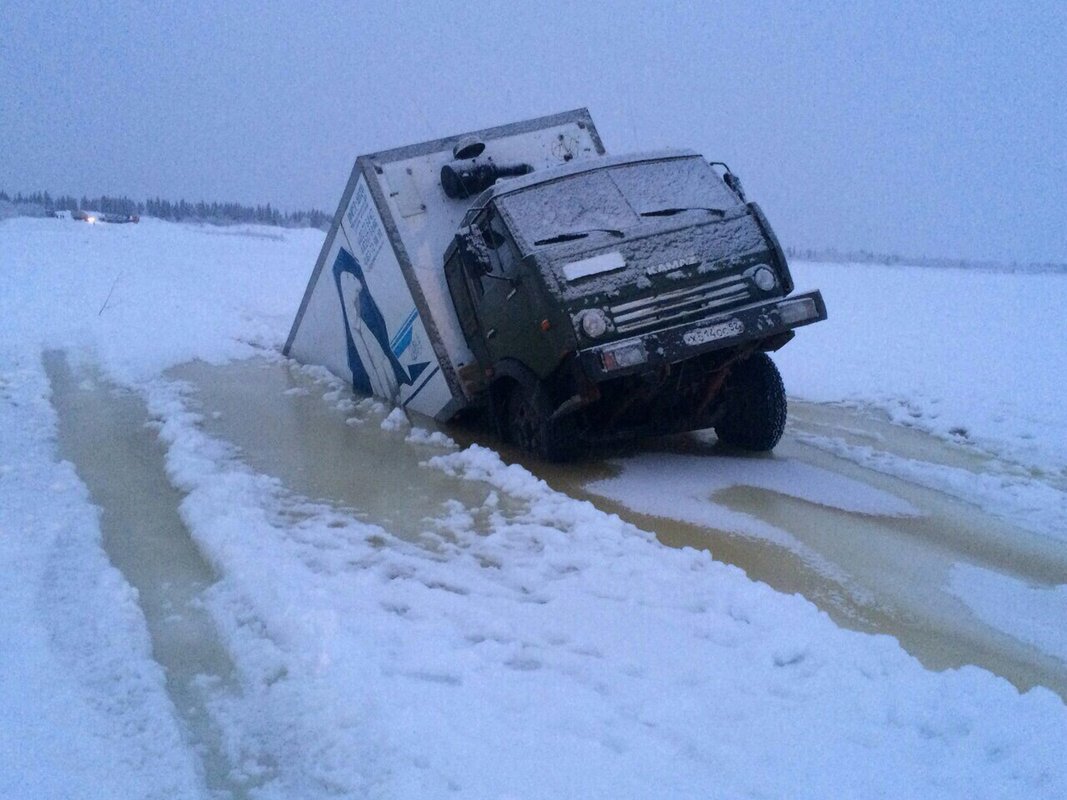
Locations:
533 647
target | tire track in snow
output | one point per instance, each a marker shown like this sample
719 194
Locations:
104 431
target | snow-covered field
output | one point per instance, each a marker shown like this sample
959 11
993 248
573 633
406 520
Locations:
974 356
529 646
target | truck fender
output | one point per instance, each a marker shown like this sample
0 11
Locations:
779 253
515 370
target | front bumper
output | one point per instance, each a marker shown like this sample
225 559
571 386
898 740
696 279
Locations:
755 323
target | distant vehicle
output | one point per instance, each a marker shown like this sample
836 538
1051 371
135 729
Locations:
99 216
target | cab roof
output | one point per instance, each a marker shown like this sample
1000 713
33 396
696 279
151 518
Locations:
506 186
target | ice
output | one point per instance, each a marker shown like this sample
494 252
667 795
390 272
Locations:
1011 494
695 481
686 487
1034 614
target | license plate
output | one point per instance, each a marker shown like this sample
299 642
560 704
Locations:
720 330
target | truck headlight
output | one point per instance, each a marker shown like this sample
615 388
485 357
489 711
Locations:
594 323
763 277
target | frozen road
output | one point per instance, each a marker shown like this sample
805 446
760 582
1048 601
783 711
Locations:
879 552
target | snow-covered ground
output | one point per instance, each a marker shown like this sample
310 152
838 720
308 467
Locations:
530 645
975 356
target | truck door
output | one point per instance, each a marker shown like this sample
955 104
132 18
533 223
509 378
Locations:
509 305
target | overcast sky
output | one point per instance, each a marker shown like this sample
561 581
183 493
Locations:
921 128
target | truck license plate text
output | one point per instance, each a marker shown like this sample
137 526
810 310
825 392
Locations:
721 330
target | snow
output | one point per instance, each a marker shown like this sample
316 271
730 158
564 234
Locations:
970 355
605 262
1007 490
686 487
1034 614
530 647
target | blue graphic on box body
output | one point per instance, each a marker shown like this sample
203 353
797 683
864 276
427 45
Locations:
367 335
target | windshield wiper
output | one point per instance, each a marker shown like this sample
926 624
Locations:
571 236
670 212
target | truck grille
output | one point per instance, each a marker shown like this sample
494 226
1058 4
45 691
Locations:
679 305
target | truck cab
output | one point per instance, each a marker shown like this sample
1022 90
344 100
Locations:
624 296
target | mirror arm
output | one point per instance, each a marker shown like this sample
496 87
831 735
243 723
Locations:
513 281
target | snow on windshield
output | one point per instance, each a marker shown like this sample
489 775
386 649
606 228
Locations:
677 183
576 204
613 198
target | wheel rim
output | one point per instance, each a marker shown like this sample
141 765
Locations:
521 421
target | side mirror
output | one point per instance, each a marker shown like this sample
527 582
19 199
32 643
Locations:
474 253
734 183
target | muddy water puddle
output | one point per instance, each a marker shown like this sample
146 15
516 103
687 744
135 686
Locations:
869 571
876 573
286 425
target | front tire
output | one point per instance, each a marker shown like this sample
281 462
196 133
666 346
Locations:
754 417
530 427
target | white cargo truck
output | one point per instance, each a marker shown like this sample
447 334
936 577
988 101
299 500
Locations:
574 296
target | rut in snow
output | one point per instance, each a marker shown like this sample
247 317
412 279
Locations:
104 432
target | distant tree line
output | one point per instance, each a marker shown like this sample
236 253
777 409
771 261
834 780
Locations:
42 204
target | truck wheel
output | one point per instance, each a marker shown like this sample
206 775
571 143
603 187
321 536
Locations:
530 428
755 412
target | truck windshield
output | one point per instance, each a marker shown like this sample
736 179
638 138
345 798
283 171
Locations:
614 199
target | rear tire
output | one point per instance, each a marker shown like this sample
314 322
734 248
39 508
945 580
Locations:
754 418
530 428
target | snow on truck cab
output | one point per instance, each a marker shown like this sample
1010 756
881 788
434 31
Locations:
577 297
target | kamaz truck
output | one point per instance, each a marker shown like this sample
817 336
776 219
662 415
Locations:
570 296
